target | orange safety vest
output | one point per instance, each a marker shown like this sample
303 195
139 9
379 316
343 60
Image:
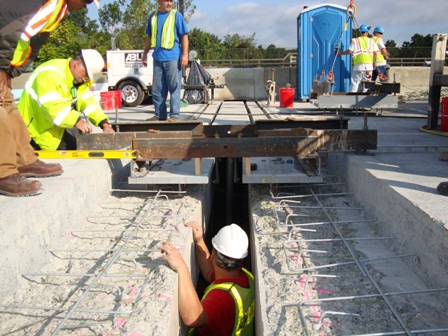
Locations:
46 20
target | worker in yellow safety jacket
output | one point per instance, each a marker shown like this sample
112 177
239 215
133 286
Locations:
364 51
24 27
382 57
55 98
228 305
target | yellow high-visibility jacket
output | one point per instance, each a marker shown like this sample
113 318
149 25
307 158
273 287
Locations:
379 56
167 38
364 50
244 304
51 103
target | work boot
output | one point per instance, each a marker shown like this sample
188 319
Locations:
17 185
155 118
41 169
443 188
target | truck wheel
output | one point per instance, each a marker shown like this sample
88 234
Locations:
131 93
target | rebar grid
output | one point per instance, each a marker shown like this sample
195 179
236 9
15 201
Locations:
287 202
128 247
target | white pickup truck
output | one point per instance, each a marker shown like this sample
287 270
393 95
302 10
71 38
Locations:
126 72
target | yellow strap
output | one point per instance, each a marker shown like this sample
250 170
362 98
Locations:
87 154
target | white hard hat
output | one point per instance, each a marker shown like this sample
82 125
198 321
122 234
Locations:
94 62
231 241
97 2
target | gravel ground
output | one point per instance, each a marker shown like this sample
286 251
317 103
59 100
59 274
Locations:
315 287
111 271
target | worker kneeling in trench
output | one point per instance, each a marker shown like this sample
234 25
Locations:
227 307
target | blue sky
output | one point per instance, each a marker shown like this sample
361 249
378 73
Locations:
275 21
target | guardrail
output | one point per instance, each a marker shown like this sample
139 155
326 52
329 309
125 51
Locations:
290 60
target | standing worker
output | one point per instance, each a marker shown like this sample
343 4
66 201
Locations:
168 36
24 27
55 95
364 51
382 57
228 305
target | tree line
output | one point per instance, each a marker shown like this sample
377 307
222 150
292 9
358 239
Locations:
122 25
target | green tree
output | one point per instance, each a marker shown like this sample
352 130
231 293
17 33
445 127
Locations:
126 20
75 32
207 45
240 47
273 52
420 46
392 48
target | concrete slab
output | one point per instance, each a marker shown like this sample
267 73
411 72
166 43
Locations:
172 171
380 101
277 170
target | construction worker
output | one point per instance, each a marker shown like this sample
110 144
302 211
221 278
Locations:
228 306
24 27
167 35
382 57
55 95
364 51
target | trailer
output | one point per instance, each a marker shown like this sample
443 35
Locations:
125 72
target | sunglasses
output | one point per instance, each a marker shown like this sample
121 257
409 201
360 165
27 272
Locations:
88 2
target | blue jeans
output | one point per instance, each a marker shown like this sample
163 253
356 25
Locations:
167 78
378 69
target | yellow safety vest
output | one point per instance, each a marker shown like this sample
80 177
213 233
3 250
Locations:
244 304
46 20
50 103
168 37
379 56
364 49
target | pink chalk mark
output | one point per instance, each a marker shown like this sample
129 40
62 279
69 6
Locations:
121 322
69 235
133 291
313 308
166 297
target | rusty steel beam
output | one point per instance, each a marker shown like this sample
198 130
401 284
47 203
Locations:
195 127
191 139
302 147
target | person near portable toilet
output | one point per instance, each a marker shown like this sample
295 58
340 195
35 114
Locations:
228 304
381 58
23 31
55 98
364 51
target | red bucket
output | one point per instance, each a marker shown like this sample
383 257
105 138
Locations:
110 100
286 97
444 121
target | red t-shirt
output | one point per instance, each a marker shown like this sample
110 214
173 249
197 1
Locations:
220 308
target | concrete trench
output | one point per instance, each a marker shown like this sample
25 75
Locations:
80 261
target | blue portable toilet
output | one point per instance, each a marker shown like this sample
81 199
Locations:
320 29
